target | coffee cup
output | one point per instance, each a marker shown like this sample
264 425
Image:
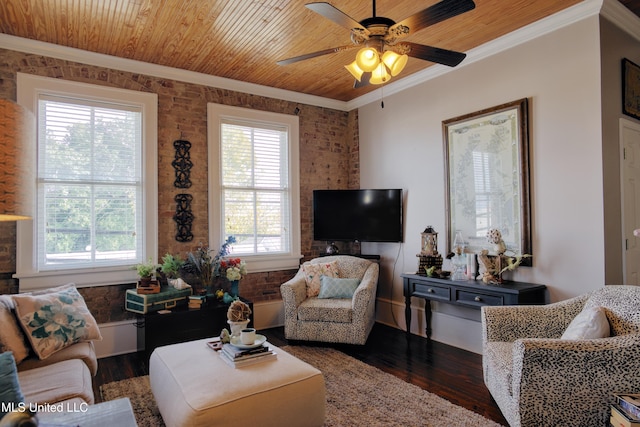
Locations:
248 336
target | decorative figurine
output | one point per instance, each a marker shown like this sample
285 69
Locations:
430 260
459 260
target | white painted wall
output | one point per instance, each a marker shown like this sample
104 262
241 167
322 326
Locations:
401 146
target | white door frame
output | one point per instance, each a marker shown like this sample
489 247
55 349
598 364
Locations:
635 126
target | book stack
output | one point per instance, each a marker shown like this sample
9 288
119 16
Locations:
236 357
196 301
626 411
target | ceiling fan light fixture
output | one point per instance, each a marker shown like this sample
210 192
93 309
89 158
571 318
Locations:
394 61
380 74
354 70
367 59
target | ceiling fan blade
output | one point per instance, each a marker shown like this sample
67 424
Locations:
364 80
335 15
434 54
432 15
315 54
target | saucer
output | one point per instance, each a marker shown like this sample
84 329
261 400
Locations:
260 339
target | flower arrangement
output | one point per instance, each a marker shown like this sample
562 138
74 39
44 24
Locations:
234 268
205 265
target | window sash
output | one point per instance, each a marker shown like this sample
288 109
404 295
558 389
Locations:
89 184
255 186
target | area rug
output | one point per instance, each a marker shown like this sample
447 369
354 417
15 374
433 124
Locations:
357 395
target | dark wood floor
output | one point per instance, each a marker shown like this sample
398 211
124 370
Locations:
449 372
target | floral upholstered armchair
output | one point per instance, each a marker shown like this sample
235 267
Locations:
559 364
331 299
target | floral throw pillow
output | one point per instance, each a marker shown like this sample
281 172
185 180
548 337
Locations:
55 320
312 273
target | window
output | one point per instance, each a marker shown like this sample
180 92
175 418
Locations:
488 193
253 178
96 183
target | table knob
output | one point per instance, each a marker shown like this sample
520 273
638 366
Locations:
430 290
477 299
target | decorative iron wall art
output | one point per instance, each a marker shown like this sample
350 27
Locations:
182 164
183 217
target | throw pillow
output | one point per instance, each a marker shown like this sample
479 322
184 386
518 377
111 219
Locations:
312 273
10 393
11 336
590 323
56 320
332 287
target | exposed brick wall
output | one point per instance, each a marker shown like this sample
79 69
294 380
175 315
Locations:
328 159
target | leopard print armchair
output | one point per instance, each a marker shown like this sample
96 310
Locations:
337 320
538 379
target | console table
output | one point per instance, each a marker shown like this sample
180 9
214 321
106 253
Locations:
473 294
184 324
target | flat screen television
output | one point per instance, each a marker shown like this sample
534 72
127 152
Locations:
357 215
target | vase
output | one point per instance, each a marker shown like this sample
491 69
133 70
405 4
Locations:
234 292
458 267
236 327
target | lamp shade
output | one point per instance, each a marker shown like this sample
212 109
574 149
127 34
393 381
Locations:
394 61
380 74
354 70
17 161
367 59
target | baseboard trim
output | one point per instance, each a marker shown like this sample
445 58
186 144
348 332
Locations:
121 337
446 328
117 338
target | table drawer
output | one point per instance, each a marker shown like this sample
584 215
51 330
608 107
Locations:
431 291
478 299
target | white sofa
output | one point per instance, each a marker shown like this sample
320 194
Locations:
63 375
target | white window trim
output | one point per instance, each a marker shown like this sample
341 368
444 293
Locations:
29 88
215 114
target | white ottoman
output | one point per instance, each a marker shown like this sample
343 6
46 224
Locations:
193 386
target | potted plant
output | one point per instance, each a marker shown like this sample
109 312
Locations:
171 266
238 317
146 270
147 283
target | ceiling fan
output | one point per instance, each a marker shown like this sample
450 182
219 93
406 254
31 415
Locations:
384 54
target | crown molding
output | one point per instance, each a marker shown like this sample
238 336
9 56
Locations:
622 17
610 9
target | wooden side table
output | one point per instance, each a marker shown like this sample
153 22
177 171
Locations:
184 324
472 294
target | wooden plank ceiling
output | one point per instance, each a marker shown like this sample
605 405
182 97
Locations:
243 39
